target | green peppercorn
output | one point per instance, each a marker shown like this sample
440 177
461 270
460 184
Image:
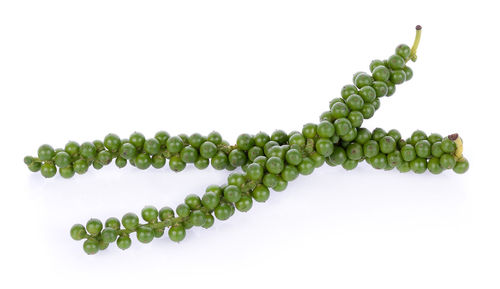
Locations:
91 246
176 164
447 161
94 227
142 161
223 211
149 214
408 153
78 232
177 233
232 193
48 170
418 165
130 221
434 166
461 166
261 193
197 218
244 204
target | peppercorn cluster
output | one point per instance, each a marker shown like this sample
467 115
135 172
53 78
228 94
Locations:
266 162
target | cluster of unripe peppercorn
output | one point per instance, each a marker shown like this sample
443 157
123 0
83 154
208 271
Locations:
266 161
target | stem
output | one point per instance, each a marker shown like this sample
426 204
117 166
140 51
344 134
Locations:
413 54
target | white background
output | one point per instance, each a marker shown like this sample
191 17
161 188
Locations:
77 70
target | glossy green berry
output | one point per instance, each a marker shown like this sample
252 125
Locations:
371 148
149 214
176 164
78 232
381 88
394 159
244 142
397 76
197 218
434 166
279 136
237 158
461 166
142 161
210 200
387 144
196 139
112 142
177 233
166 213
403 50
159 161
363 79
145 234
324 146
348 90
355 102
261 193
219 161
395 134
417 136
368 111
408 73
423 148
120 162
275 165
396 62
368 94
325 129
162 137
289 173
309 130
223 211
209 221
381 73
72 148
379 161
130 221
193 201
127 151
104 157
91 246
350 164
112 223
354 151
189 154
391 88
88 150
293 157
338 157
67 172
94 227
436 150
418 165
404 167
137 139
447 161
408 153
45 152
48 170
62 159
232 193
244 204
80 166
447 145
339 110
342 126
236 179
124 242
375 63
255 172
152 146
183 210
109 235
175 144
